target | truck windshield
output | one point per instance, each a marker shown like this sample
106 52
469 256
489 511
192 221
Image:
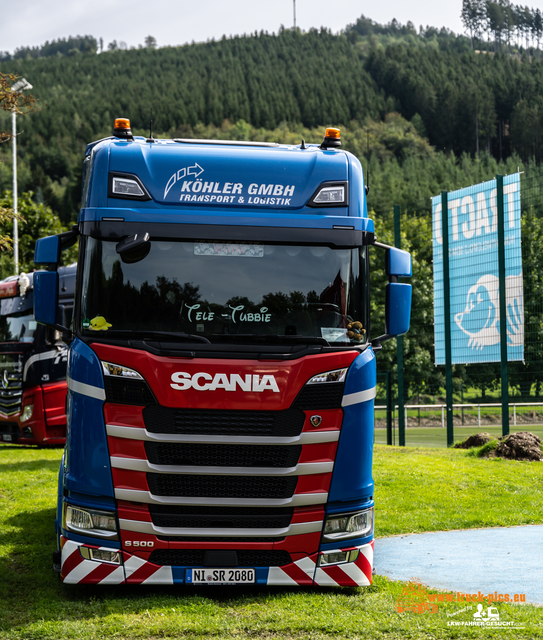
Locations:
17 327
210 291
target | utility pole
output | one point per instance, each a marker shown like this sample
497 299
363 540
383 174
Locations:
20 86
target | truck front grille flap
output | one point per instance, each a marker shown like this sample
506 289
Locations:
315 397
123 391
288 423
203 557
220 455
220 517
221 486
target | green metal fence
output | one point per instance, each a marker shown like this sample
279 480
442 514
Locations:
407 375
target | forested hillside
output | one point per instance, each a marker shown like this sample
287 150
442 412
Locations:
451 98
423 110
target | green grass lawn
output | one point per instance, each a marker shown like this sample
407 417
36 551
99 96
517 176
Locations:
416 490
437 436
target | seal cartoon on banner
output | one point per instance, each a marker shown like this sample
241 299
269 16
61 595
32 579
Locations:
480 317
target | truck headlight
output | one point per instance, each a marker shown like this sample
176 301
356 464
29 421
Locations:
338 375
119 371
127 186
27 413
348 525
90 522
330 194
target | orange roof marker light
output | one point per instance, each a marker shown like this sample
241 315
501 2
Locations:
332 138
122 129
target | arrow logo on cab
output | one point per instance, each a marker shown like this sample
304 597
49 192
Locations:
195 171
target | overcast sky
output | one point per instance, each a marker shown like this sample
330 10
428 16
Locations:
175 22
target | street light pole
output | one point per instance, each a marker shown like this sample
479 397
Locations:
20 85
15 226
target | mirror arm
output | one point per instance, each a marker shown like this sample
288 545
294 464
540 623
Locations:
376 342
57 327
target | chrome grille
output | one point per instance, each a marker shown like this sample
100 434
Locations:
203 557
220 517
166 420
261 487
11 388
221 455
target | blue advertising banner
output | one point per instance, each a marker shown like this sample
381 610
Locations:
474 278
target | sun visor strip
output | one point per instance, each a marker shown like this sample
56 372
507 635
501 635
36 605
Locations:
344 237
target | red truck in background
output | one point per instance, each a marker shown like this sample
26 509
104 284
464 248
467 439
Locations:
33 362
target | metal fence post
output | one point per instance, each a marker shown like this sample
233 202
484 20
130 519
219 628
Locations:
399 346
389 409
503 306
447 316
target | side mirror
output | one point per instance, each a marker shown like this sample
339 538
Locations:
46 283
46 296
397 308
398 263
398 295
47 250
134 248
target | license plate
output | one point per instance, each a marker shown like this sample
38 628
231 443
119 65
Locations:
7 437
220 576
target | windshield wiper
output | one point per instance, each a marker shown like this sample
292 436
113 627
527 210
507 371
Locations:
170 335
158 335
269 338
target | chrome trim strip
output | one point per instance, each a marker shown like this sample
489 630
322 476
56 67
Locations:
11 413
95 533
359 396
297 500
138 433
303 469
294 529
60 352
86 389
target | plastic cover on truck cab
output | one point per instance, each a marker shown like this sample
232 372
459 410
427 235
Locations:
279 177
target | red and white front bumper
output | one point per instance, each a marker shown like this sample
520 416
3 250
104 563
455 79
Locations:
76 569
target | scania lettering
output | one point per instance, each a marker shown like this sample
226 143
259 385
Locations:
221 367
205 382
33 362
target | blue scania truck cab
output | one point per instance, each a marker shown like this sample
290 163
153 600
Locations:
221 371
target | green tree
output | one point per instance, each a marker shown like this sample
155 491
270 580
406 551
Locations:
35 221
525 374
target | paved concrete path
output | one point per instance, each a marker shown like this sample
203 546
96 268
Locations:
504 560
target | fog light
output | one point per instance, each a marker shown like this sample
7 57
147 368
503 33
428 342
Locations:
348 525
101 555
338 557
27 413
